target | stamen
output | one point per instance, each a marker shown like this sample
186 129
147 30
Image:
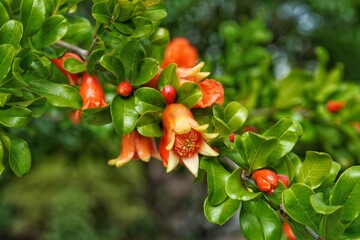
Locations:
186 145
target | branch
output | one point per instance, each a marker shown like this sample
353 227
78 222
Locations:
79 51
228 163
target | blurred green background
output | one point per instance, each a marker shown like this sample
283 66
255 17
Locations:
71 192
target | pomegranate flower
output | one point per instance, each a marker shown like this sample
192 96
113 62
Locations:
181 52
183 139
135 146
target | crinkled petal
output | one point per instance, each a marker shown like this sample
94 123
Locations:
173 161
212 92
192 163
206 150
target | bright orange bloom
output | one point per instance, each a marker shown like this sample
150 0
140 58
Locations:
212 91
73 78
181 52
183 139
135 146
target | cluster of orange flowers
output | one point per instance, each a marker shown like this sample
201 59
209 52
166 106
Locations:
183 138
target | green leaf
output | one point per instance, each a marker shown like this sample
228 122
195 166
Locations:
32 14
114 65
149 68
73 65
235 115
15 117
346 192
149 124
97 116
287 132
168 77
189 94
259 221
315 168
4 97
156 14
59 95
123 116
331 227
7 53
236 190
330 178
142 31
19 154
220 214
93 58
297 205
149 100
2 153
4 16
131 55
352 231
101 12
219 124
319 206
256 149
11 33
52 30
217 177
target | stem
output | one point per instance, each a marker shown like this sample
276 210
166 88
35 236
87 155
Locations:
81 52
312 233
228 163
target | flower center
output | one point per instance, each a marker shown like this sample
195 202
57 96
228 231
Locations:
187 144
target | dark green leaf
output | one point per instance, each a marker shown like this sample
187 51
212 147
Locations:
315 168
189 94
219 124
346 192
168 77
235 187
19 154
352 231
235 115
132 53
52 30
297 205
101 12
2 153
4 16
149 124
149 99
15 117
11 33
149 68
59 95
97 116
331 227
93 58
32 14
114 65
7 53
259 221
123 116
217 177
220 214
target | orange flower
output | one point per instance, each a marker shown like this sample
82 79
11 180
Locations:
135 146
212 91
183 139
181 52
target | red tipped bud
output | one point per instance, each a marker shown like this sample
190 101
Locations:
266 180
232 137
169 93
334 106
124 89
284 179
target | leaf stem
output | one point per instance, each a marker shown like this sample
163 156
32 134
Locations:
312 233
228 163
81 52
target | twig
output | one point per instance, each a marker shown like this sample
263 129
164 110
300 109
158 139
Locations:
81 52
228 163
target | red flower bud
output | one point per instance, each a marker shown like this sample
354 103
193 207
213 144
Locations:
72 77
284 179
169 93
124 89
266 180
334 106
232 137
288 231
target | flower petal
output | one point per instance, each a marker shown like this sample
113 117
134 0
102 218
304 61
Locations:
206 150
173 161
201 128
192 163
212 91
208 136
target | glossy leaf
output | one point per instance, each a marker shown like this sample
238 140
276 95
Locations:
331 227
235 115
59 95
7 53
236 190
219 124
168 77
4 16
297 205
346 192
101 12
4 97
259 221
149 124
15 117
319 206
97 116
93 58
256 149
149 99
352 231
142 31
114 65
149 68
189 94
220 214
32 14
52 30
287 131
217 177
131 55
19 154
123 116
11 33
73 65
315 168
